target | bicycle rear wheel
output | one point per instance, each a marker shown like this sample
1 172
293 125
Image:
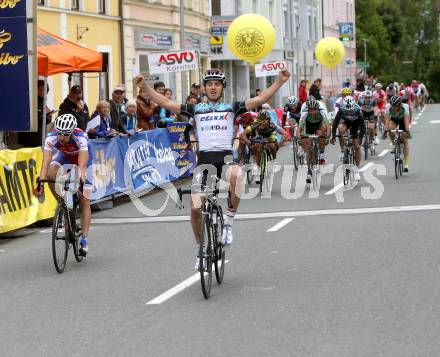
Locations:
220 253
248 164
60 237
205 258
396 160
366 145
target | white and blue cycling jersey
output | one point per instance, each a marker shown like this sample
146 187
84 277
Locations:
214 123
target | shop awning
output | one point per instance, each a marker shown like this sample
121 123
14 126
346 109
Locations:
56 55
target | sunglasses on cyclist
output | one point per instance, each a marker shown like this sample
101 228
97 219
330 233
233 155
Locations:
63 134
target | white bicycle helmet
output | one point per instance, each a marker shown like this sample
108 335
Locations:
292 100
65 123
349 103
214 75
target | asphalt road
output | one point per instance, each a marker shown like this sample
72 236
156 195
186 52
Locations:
351 273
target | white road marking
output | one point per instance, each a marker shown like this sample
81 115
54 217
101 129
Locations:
434 121
383 153
280 225
49 230
334 189
2 250
177 289
362 169
340 185
282 214
413 123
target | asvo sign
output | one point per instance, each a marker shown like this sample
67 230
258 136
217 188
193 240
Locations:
270 68
175 61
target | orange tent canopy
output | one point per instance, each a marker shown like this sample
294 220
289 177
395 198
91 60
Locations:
56 55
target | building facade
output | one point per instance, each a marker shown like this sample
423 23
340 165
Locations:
335 12
298 27
154 25
95 24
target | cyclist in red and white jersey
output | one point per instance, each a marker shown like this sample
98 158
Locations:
68 145
380 97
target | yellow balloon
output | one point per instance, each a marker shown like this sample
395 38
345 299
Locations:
251 37
330 52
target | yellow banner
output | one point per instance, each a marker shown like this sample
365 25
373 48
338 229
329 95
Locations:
18 172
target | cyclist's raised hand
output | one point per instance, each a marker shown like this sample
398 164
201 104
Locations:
284 75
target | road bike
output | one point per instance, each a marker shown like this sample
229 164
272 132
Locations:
248 162
66 231
398 152
297 150
315 164
211 251
348 159
367 142
266 164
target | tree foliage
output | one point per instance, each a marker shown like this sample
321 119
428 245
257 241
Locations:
403 40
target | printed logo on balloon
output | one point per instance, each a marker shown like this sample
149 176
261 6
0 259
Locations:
330 52
246 41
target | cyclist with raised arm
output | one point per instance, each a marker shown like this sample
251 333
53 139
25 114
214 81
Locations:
214 124
314 121
397 113
369 110
350 117
71 147
265 129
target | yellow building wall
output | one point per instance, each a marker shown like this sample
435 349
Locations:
101 32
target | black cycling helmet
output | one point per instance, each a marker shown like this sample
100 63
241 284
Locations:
214 75
396 100
263 115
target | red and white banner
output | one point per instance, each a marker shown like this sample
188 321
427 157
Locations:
172 61
270 68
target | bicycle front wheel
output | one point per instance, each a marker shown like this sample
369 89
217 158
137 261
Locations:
295 153
60 237
205 257
263 163
220 253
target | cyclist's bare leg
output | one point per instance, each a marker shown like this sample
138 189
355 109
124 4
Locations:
308 149
273 149
86 214
51 175
196 204
235 179
357 152
341 129
321 141
258 148
372 129
392 126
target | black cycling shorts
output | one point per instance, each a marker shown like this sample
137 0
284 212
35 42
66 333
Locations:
357 128
216 159
400 124
311 128
369 116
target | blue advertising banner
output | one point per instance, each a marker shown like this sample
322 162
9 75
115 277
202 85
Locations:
108 167
178 144
12 8
14 71
150 161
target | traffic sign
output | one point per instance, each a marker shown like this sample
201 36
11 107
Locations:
363 64
216 40
346 31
